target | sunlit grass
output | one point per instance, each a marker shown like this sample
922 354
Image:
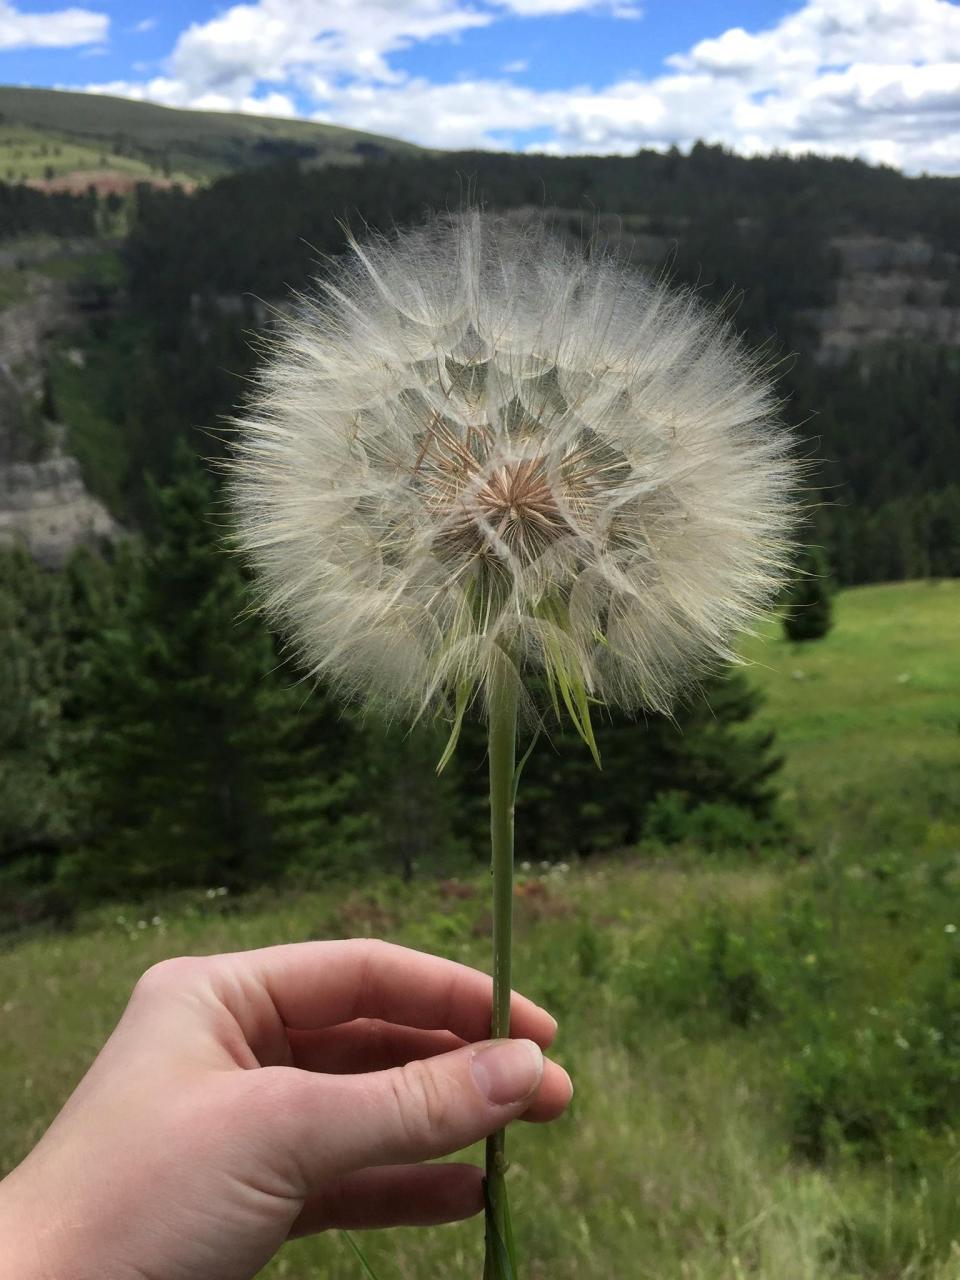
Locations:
868 718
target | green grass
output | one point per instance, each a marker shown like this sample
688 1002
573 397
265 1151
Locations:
101 267
144 139
14 287
868 718
675 1162
28 153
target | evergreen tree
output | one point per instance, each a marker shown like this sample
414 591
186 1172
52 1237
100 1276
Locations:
809 612
44 625
409 811
33 804
202 770
706 754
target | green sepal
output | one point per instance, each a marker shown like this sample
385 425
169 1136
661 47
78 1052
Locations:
459 711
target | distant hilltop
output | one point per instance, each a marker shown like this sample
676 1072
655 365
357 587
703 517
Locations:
58 141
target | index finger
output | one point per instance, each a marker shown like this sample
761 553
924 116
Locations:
320 984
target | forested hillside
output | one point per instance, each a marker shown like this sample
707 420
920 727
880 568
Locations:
850 273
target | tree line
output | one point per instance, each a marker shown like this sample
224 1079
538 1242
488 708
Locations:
751 235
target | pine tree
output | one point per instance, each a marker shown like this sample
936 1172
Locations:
809 612
202 767
408 809
706 754
42 627
33 809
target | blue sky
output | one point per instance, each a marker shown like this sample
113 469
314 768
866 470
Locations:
875 78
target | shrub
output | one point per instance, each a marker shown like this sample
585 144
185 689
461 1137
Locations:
733 969
883 1085
713 827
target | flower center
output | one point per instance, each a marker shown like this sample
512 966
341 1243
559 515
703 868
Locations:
518 505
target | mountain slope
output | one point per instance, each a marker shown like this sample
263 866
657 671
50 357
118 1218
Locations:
45 133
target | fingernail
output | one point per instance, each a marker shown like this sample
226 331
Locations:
507 1070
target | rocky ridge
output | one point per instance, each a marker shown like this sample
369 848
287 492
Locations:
45 506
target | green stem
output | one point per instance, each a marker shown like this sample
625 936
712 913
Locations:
502 754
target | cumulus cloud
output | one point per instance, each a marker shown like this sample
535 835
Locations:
169 93
538 8
55 29
874 78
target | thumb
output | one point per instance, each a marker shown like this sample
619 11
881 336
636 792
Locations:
430 1107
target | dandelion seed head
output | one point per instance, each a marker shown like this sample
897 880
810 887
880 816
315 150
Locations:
475 446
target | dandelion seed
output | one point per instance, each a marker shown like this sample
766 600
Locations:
474 446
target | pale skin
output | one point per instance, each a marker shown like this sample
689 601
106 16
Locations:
245 1099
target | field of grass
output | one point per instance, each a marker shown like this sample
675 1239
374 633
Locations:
64 131
764 1052
28 153
868 718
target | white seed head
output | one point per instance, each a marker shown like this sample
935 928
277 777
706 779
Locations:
474 446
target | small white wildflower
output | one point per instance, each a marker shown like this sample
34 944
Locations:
525 866
476 447
211 893
901 1042
156 921
222 891
949 928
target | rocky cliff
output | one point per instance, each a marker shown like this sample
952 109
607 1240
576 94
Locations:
889 290
44 504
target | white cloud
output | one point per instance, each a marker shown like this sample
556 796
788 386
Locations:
279 41
875 78
145 24
169 93
540 8
515 67
56 29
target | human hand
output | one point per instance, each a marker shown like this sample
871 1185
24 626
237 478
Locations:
244 1099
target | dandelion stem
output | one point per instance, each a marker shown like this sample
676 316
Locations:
502 754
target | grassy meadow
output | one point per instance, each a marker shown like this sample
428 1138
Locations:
766 1051
47 133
